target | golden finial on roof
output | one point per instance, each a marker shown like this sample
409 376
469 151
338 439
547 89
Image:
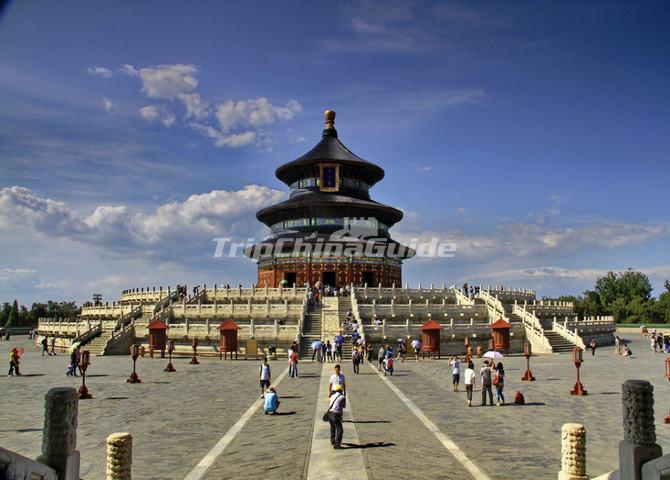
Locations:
330 118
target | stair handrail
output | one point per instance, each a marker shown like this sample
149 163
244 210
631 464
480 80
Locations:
116 335
356 314
301 320
494 306
532 325
571 335
461 298
128 317
88 334
161 304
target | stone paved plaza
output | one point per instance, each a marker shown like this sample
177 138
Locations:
177 418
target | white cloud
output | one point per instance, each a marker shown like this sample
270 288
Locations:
129 70
426 168
157 112
99 72
195 105
199 218
239 121
226 139
107 104
167 82
253 112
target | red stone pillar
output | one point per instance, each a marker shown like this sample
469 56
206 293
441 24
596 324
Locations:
308 274
350 271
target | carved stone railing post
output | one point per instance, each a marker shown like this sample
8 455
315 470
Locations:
573 452
119 456
639 433
59 437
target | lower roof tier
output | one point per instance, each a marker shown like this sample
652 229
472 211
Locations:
315 245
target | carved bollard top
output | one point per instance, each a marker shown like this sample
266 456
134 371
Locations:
573 451
60 421
638 412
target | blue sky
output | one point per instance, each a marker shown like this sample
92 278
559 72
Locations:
533 135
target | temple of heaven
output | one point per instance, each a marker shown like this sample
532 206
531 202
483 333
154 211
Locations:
329 230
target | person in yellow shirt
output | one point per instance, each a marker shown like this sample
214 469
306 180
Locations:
13 363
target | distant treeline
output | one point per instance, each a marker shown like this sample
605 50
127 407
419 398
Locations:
626 296
13 315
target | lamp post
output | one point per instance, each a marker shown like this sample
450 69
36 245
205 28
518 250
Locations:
134 352
527 352
194 345
84 362
667 367
578 389
170 367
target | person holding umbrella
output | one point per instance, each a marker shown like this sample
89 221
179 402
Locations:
316 349
339 341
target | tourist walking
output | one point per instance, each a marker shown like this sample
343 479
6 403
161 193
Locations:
323 352
455 372
416 345
329 351
381 355
337 403
485 374
337 378
14 362
52 346
72 367
593 346
45 348
499 382
617 345
469 381
653 343
293 363
264 376
271 401
370 353
356 360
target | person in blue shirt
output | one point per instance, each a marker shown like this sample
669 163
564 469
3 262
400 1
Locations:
271 401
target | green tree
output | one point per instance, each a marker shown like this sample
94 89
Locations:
627 296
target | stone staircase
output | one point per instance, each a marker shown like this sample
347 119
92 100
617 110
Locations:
97 345
311 331
558 343
343 308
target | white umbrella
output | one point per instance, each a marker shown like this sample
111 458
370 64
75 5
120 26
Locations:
415 343
493 355
73 347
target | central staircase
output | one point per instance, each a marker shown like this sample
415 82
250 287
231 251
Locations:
97 345
311 330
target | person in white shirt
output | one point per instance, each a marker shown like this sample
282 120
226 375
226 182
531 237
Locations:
337 379
456 372
469 380
264 375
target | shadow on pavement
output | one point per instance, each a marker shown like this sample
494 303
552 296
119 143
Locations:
97 375
116 398
368 445
290 396
23 430
284 413
33 374
366 421
532 404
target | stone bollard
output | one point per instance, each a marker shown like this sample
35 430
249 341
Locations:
573 452
59 438
639 433
119 456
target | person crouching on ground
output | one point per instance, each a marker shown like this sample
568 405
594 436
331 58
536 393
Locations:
337 402
271 401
